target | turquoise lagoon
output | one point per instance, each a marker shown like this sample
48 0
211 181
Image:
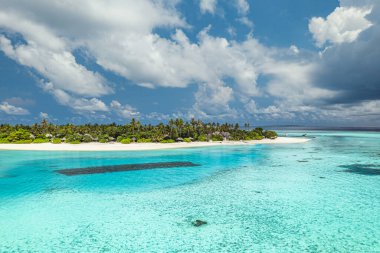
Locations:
319 196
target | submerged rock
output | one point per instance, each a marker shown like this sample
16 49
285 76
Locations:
124 167
198 223
362 169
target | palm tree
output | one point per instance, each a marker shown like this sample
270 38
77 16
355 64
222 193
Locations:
133 125
179 124
171 125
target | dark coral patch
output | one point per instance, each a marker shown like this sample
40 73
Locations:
124 167
362 169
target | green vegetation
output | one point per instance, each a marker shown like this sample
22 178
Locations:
144 140
20 135
167 141
270 134
40 140
176 130
125 141
56 141
74 142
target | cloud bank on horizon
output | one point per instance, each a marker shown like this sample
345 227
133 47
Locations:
97 60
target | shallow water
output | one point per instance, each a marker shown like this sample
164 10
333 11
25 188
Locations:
320 196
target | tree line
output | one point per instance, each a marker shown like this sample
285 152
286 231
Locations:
134 131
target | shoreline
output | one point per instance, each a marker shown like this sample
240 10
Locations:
95 146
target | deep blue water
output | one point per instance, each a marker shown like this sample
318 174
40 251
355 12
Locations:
319 196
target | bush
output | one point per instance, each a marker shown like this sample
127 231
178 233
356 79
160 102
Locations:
40 140
202 138
187 140
259 130
270 134
3 135
23 142
255 135
217 138
104 137
126 141
103 140
167 141
4 140
74 142
19 135
73 138
87 138
56 141
144 140
120 138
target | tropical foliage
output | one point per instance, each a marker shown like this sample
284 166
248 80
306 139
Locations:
175 130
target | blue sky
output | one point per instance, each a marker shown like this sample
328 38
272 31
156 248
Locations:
267 62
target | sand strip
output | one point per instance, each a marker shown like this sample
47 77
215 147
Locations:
95 146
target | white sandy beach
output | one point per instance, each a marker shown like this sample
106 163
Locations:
95 146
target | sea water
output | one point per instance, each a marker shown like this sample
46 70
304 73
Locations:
319 196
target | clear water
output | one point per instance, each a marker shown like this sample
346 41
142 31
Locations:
263 198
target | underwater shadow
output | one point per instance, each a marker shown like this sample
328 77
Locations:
362 169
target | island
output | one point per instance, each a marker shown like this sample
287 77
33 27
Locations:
134 135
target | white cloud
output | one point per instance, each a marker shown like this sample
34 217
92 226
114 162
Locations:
214 101
44 115
294 49
12 110
351 69
119 36
58 67
245 21
122 42
158 116
19 101
293 81
207 6
242 6
79 104
344 24
125 111
52 30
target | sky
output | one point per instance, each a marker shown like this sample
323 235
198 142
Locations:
264 62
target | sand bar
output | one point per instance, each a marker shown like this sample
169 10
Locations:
95 146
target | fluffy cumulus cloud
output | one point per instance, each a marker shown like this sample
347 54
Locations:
242 6
343 25
125 111
208 6
12 110
18 101
119 36
52 30
122 42
351 69
341 83
44 115
50 56
79 104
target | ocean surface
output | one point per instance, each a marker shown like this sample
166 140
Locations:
319 196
